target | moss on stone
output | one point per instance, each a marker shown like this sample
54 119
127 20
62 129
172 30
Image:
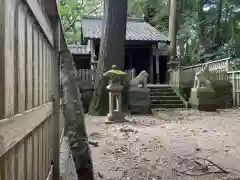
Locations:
99 105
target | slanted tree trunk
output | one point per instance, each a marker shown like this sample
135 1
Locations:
74 119
112 49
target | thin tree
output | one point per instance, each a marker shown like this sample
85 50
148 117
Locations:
112 49
173 28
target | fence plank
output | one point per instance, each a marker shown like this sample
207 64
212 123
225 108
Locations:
40 162
35 69
2 168
29 63
43 71
35 155
20 159
21 58
29 158
47 72
7 8
43 150
10 166
40 70
42 19
47 145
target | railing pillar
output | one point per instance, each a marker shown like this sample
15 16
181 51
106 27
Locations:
228 65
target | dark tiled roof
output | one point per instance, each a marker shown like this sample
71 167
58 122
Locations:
137 29
79 49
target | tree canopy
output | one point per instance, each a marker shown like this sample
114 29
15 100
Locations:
71 12
207 28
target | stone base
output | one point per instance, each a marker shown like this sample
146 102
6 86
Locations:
115 117
203 99
140 110
139 100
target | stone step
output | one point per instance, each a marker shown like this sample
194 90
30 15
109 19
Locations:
164 97
153 106
166 101
170 93
162 90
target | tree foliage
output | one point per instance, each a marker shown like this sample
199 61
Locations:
208 28
72 11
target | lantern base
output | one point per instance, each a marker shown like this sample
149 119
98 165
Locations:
116 117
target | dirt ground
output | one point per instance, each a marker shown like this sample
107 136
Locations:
152 148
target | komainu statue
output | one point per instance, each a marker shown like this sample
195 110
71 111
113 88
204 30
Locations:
201 80
140 79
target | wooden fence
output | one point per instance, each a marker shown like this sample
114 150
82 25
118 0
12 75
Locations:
89 74
219 70
234 78
222 64
29 76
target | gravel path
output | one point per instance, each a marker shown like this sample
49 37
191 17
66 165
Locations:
149 148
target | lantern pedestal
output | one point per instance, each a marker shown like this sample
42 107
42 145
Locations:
115 104
115 114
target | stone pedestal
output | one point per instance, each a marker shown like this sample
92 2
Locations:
203 99
139 100
115 96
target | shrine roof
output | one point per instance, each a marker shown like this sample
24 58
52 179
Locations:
137 29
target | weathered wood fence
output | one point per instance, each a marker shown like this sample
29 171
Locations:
29 90
89 74
222 64
219 70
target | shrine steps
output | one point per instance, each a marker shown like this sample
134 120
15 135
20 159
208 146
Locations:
164 97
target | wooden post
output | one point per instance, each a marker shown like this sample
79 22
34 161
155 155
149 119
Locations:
227 65
234 88
151 65
157 69
56 100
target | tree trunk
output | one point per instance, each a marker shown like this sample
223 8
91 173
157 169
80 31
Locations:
201 20
74 119
173 28
112 49
218 26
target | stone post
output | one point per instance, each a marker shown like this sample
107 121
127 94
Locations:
115 88
94 63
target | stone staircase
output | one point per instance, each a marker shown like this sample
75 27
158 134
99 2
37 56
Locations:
164 97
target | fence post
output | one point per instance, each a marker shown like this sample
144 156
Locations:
233 88
227 65
56 118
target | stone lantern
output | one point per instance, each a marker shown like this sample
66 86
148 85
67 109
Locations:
115 96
